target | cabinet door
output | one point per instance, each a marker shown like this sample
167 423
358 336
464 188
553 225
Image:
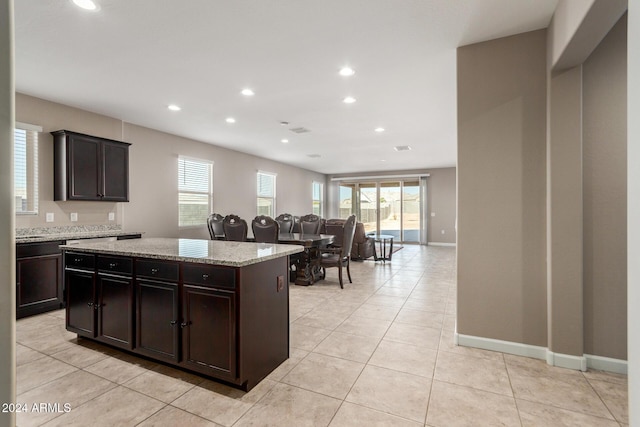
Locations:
81 310
115 172
115 310
157 322
84 172
39 284
209 331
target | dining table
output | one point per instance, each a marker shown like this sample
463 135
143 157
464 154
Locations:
304 271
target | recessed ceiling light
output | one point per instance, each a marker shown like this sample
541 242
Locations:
347 71
379 130
247 92
402 148
174 107
349 100
86 4
284 141
230 120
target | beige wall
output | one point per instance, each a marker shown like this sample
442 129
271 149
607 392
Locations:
441 199
153 175
633 189
564 213
501 189
605 195
7 215
154 185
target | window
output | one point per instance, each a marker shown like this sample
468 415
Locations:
25 161
195 188
317 198
266 194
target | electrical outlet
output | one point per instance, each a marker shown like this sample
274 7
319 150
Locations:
280 284
112 216
74 216
442 231
433 214
49 217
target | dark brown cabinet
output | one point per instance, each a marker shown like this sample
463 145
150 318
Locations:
229 323
99 305
38 278
209 333
157 309
90 168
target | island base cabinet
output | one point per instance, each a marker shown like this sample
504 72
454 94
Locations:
81 310
208 331
157 320
115 311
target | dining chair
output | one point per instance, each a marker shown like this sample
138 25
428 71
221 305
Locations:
339 256
285 221
265 229
235 228
214 223
310 224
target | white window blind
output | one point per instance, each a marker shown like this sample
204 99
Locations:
25 162
195 188
317 193
266 186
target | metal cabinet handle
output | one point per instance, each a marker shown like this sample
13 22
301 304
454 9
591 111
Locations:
184 324
173 322
113 264
154 270
90 304
77 259
205 276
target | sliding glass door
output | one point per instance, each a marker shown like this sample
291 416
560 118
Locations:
388 207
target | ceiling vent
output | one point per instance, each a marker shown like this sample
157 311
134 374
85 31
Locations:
299 130
402 148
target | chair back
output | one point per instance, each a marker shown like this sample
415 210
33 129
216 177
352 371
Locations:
265 229
235 228
214 223
347 236
335 227
310 224
285 221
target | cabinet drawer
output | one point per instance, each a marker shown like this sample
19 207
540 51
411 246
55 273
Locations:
162 270
206 275
76 260
24 250
115 264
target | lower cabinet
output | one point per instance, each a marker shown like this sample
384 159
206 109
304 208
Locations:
208 330
38 278
157 319
186 314
114 310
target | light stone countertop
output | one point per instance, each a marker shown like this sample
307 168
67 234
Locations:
53 233
218 252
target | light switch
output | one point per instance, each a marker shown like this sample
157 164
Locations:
49 217
433 214
74 216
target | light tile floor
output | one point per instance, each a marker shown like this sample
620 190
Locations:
378 353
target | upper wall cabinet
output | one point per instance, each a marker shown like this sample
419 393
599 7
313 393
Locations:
90 168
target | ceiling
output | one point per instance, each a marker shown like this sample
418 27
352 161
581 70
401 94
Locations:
131 59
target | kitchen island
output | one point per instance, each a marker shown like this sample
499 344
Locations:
214 307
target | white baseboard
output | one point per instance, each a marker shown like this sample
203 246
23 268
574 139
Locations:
440 244
608 364
579 363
